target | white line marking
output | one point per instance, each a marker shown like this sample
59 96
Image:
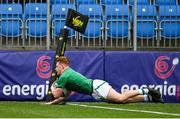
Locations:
129 110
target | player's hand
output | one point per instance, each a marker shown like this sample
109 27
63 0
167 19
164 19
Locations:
48 103
62 103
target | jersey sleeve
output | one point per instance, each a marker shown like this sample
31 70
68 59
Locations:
61 82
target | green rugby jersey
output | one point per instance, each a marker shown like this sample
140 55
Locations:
74 81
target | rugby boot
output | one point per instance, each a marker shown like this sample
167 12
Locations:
156 95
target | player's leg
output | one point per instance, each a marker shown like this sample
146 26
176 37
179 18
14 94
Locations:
102 90
147 95
145 98
115 97
138 98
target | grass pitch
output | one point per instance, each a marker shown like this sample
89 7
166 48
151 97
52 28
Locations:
13 109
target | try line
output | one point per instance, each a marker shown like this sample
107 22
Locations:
121 109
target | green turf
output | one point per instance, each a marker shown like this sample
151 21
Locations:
37 110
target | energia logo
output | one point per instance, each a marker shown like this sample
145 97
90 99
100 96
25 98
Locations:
30 90
163 69
165 88
43 67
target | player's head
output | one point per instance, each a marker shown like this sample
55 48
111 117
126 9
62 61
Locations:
62 63
63 60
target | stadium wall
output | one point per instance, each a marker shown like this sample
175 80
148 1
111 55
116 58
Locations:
25 75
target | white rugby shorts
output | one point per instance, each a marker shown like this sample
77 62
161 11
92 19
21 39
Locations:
100 89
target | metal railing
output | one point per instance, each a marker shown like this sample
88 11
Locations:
113 24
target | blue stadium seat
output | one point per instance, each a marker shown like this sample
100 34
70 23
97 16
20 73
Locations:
170 21
58 13
117 21
60 1
165 2
35 19
146 21
85 1
140 2
106 2
11 20
95 24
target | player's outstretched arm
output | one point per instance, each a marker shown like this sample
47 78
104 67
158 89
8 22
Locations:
62 94
57 101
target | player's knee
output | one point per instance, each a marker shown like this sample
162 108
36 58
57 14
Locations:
115 97
119 100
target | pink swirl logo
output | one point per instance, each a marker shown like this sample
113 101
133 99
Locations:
162 69
43 67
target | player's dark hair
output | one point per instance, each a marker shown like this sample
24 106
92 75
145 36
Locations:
63 59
